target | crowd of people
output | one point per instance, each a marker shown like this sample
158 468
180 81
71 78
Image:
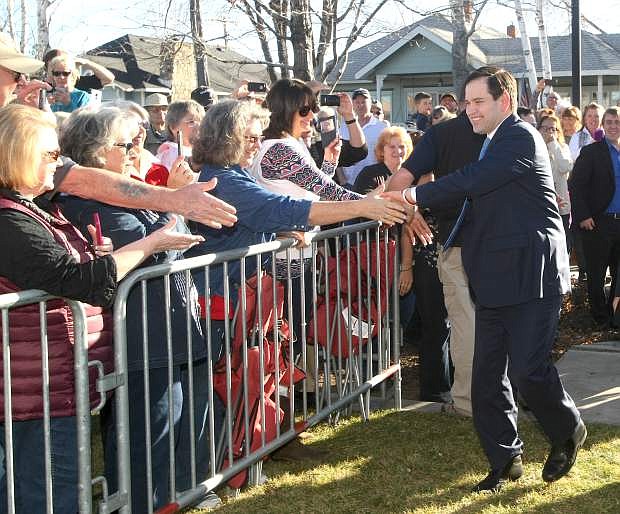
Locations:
167 180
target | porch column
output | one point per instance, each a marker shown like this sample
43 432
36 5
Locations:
599 90
379 81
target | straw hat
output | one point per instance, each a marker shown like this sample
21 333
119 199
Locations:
12 59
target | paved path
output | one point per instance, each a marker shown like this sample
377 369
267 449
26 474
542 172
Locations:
591 375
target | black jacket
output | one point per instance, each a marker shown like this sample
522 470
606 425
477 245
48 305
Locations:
592 183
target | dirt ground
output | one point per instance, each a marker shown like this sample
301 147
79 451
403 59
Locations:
576 327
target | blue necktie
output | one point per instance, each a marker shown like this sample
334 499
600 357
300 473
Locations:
466 204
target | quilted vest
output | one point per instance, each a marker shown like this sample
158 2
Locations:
25 339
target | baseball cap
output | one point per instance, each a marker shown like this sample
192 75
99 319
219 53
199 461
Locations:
12 59
156 99
361 92
449 95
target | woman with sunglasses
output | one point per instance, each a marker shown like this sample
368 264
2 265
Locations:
62 73
103 139
42 250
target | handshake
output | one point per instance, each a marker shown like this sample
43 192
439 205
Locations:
416 226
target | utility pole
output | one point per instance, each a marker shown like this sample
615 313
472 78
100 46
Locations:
576 52
202 70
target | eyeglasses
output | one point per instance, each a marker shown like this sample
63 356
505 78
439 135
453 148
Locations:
16 74
303 111
52 155
126 146
549 129
252 140
61 73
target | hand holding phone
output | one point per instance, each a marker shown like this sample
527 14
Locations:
180 143
257 87
97 224
330 100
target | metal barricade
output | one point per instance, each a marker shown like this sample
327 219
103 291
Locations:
8 303
327 314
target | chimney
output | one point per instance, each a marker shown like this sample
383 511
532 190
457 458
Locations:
467 10
511 31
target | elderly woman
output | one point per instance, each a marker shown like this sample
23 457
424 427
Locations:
42 250
62 73
103 139
591 130
229 134
182 118
571 121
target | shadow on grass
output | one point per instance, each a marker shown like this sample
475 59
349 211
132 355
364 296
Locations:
417 462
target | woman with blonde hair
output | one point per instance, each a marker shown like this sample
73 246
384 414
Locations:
62 73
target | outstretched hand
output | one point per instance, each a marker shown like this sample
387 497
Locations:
196 204
167 238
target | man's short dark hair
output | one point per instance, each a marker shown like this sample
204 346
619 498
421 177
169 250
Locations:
498 82
524 111
422 95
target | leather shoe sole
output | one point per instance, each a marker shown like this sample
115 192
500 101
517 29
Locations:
496 478
562 457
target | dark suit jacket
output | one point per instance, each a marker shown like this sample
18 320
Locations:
443 149
514 248
592 183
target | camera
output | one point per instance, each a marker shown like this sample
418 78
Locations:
203 95
330 100
257 87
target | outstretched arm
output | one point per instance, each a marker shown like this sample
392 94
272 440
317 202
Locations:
192 201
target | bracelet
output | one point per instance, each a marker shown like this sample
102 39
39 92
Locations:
404 269
350 122
405 198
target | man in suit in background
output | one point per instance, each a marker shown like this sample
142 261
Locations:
595 201
514 254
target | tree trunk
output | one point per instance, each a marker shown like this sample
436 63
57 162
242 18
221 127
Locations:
43 28
460 45
22 40
281 7
301 40
9 18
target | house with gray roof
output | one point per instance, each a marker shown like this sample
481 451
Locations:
419 58
145 65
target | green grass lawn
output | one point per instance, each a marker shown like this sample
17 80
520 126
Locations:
427 463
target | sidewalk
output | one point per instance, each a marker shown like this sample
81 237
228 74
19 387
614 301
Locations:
591 375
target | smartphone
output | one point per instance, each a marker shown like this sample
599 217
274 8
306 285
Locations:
328 127
330 100
548 82
257 87
43 103
179 143
97 223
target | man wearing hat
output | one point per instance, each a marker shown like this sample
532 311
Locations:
14 66
157 107
371 126
450 102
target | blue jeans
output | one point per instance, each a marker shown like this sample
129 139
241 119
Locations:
160 400
29 466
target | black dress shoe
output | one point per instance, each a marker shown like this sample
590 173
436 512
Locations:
562 456
497 477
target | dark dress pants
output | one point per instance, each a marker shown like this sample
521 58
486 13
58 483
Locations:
523 336
601 247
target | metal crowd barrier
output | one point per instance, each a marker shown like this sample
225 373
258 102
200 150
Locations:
83 415
348 343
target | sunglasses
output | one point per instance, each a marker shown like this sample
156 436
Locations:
303 111
61 73
16 74
126 146
51 156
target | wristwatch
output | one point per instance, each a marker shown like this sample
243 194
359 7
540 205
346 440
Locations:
350 122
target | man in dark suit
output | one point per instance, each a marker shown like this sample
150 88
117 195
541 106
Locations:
514 254
595 202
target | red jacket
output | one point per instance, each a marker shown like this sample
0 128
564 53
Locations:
25 340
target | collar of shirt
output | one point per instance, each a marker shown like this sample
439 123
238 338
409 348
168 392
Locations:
492 133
